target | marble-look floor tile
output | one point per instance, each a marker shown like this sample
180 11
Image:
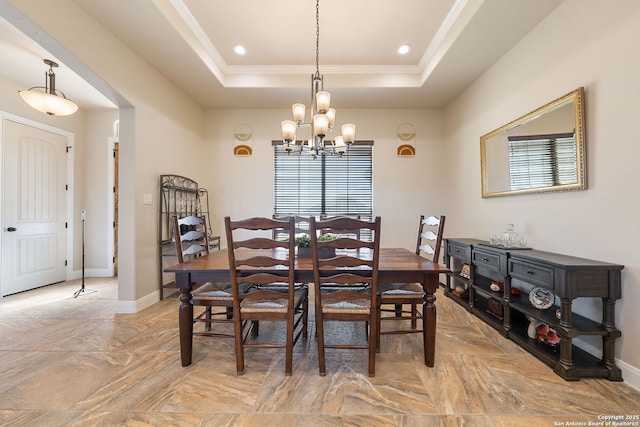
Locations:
68 361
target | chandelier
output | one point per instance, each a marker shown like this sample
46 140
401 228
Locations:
322 116
47 98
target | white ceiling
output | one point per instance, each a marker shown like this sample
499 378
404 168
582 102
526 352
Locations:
191 42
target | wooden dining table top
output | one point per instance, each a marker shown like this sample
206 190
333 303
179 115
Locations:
396 261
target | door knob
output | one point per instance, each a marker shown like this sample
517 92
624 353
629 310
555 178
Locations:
12 229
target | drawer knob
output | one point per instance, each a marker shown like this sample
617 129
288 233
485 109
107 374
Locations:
530 273
485 259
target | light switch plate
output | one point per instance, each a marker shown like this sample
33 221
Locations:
147 199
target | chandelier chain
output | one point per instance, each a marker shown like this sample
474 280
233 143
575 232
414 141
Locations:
318 37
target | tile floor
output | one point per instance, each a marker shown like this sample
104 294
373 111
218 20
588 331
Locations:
68 361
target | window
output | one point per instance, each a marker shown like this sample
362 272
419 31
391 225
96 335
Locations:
542 160
330 185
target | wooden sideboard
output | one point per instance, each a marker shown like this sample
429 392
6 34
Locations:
513 314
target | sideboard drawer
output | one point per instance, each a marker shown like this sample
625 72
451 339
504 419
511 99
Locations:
486 259
535 274
462 252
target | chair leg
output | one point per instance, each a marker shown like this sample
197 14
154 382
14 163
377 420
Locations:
207 325
414 316
379 322
237 326
320 338
288 365
305 319
373 334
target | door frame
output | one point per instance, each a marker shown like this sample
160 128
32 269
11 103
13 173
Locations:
69 273
111 183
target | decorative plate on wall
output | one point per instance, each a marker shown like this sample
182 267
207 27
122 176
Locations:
242 150
406 135
242 135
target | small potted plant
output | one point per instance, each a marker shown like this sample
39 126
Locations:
303 243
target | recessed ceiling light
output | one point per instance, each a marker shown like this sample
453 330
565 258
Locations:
404 49
240 50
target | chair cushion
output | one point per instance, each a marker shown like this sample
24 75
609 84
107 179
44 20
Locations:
330 305
279 305
342 305
401 289
218 290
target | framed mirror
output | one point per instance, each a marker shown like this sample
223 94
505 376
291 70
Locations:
540 152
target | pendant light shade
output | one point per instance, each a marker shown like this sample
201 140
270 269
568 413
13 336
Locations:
48 99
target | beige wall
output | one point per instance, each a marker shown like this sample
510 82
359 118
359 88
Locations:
583 43
93 164
403 187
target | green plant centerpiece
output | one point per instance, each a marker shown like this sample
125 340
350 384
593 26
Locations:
303 243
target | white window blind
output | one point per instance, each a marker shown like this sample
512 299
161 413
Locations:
330 185
542 160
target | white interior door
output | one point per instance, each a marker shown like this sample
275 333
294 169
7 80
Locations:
34 207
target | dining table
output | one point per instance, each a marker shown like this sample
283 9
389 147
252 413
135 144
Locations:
396 265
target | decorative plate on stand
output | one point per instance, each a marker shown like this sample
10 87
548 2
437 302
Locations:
541 298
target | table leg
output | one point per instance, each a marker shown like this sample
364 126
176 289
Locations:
185 318
429 319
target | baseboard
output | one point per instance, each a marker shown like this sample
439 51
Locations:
97 272
138 305
630 374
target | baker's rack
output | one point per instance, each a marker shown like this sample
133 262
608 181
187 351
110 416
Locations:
180 196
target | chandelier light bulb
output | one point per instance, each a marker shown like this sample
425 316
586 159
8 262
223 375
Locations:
298 112
288 130
341 148
331 116
323 101
349 133
320 125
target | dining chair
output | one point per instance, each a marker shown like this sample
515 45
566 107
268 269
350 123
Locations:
301 229
191 241
354 233
266 262
301 226
345 283
429 242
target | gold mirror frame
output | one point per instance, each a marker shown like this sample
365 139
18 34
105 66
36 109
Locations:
500 136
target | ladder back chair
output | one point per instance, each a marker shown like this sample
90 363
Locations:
269 264
301 226
430 233
349 295
349 233
191 240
